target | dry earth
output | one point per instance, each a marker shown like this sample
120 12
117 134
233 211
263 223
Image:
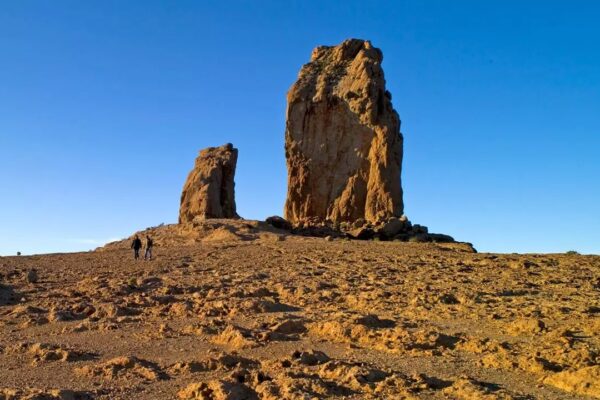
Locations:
268 316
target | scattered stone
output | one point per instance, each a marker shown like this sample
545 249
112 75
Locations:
32 276
217 390
526 326
235 337
583 382
362 309
184 367
123 367
45 352
470 389
449 299
373 321
57 315
40 394
310 357
289 327
356 376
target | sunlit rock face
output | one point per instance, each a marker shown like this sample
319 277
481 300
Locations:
343 142
209 189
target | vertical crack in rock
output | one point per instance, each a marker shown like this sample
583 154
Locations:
343 143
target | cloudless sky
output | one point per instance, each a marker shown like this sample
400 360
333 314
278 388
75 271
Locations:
104 105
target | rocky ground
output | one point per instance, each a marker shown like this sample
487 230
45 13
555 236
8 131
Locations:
244 314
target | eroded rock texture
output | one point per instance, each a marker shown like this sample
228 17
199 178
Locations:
343 142
209 189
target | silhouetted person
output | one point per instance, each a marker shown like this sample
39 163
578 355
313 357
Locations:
149 245
136 245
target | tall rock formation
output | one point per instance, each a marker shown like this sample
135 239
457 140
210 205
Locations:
342 141
209 189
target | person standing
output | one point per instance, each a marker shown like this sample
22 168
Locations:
149 245
136 245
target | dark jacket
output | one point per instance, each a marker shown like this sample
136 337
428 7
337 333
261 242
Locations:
136 244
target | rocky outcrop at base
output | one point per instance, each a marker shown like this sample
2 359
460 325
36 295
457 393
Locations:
209 189
397 229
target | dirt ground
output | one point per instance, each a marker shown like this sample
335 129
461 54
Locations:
282 317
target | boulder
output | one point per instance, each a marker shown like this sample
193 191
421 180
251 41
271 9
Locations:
419 229
209 189
342 140
362 233
419 238
32 276
392 227
277 222
441 238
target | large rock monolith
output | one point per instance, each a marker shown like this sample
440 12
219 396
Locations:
343 143
209 189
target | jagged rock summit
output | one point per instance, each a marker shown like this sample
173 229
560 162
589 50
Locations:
209 189
343 142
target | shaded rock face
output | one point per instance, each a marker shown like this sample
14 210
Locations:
209 189
343 143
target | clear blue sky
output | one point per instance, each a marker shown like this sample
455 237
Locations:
105 104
